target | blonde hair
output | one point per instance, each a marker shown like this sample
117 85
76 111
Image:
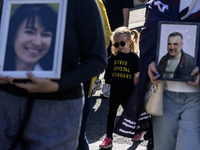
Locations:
131 35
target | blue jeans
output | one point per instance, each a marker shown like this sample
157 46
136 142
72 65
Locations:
83 142
179 127
53 125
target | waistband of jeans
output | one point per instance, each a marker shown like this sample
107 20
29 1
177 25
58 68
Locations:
177 86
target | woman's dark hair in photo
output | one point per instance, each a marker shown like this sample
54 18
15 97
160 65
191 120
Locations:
48 19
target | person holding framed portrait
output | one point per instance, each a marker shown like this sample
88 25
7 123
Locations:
179 127
44 113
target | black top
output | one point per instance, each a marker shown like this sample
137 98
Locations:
114 11
120 72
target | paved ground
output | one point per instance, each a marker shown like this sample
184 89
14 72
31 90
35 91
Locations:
96 127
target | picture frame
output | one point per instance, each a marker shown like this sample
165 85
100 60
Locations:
35 42
177 47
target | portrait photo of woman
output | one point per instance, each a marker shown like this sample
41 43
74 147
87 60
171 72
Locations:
31 38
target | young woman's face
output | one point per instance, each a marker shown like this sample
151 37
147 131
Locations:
119 41
32 42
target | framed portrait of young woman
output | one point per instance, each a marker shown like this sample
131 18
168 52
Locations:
32 38
177 49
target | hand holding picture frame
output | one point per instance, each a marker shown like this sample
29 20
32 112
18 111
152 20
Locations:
176 55
32 38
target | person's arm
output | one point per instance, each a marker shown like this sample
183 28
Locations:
90 43
153 73
142 1
107 75
126 5
38 85
136 78
136 70
126 13
5 80
196 82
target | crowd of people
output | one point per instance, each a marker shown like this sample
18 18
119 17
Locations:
43 113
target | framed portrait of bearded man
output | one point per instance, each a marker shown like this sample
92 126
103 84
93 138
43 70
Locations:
177 47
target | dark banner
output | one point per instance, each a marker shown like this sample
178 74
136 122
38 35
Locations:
129 128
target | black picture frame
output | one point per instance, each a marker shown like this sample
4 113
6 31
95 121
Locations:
172 63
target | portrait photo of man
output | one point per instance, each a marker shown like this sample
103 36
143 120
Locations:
176 64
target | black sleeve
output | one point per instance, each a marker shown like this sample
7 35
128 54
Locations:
108 72
127 4
136 64
84 42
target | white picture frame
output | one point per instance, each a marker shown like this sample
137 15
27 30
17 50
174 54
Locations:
51 44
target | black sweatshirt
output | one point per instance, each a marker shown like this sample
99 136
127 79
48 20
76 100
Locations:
120 72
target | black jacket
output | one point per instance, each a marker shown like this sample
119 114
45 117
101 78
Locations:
184 68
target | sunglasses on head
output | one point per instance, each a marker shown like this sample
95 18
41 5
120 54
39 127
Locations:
116 44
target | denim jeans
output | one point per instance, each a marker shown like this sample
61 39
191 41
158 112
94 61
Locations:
179 127
53 125
83 142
